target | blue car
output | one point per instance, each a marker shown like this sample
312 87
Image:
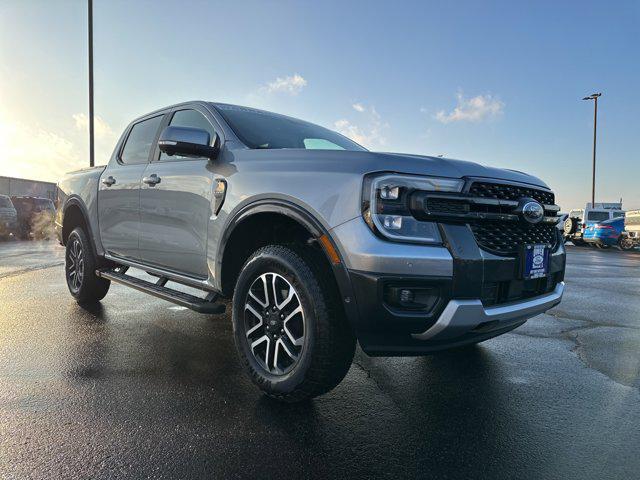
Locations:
604 234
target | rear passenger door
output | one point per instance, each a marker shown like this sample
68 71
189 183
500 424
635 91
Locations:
119 189
175 212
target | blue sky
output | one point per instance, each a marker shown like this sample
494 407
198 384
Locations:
494 82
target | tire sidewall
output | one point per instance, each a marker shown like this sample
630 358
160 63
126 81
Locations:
263 262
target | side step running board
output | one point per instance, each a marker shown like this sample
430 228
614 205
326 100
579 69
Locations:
158 289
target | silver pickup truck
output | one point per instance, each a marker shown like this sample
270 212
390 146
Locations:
318 242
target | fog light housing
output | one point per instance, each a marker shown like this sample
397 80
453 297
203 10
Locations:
409 297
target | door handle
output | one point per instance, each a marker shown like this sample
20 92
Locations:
108 181
151 179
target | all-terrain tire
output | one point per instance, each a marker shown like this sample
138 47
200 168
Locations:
327 344
80 269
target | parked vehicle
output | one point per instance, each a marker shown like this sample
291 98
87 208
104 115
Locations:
318 241
35 216
607 234
580 219
631 235
8 218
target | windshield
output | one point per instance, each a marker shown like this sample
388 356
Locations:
260 129
5 202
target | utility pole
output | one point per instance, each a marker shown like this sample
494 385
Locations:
594 97
91 143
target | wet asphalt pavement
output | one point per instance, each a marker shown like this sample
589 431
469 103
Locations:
140 388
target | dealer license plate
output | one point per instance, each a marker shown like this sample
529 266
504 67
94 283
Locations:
536 261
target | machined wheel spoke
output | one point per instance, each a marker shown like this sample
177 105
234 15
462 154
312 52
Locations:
286 301
262 303
260 341
299 341
258 316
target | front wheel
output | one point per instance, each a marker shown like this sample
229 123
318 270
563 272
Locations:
288 326
80 270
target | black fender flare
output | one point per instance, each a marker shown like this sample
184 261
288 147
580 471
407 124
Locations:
76 201
312 224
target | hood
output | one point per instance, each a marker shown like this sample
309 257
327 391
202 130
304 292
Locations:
368 162
448 167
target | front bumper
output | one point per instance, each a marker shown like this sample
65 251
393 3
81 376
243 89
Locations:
463 316
479 295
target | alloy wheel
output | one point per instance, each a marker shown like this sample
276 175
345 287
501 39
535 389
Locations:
274 323
75 265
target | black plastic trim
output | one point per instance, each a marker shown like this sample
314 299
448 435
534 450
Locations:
75 200
316 229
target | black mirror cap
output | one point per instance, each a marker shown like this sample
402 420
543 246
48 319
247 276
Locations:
188 142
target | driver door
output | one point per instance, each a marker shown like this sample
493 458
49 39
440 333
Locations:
175 205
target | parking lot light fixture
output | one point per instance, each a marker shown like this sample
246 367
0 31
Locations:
594 97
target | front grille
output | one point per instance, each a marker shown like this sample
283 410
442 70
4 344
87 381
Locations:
506 238
446 206
510 192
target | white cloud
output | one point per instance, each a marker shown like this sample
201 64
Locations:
101 128
30 151
473 109
371 135
291 85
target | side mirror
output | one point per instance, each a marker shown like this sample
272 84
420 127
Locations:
188 142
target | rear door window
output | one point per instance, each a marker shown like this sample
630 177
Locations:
139 142
597 216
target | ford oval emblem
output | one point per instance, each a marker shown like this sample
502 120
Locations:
532 212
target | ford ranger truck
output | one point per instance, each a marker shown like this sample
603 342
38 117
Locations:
317 242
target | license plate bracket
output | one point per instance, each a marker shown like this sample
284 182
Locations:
535 261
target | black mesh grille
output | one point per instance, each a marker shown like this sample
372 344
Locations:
510 192
506 238
444 205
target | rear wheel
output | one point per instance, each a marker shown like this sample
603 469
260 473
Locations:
80 269
625 243
289 329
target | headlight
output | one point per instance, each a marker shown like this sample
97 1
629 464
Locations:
386 200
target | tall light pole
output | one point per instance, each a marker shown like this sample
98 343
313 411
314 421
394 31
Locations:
594 97
91 145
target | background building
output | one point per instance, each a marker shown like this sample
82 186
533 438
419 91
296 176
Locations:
22 186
